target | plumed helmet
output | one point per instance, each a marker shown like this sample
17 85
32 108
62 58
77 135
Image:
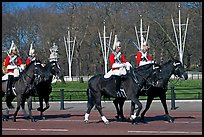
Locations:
54 53
32 50
13 47
116 43
145 44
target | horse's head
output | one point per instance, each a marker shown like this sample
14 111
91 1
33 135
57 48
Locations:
55 68
31 72
179 70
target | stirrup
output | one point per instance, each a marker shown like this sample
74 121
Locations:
118 94
14 90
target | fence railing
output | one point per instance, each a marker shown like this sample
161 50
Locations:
173 96
191 75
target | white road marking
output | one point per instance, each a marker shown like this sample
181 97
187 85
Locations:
166 132
185 122
18 129
61 120
23 129
55 130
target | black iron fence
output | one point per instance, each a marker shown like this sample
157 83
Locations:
80 95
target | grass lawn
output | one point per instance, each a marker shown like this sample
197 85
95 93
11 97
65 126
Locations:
73 90
77 90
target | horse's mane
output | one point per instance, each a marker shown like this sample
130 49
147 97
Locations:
167 62
31 63
144 67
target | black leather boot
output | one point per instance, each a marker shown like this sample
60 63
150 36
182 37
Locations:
118 83
9 85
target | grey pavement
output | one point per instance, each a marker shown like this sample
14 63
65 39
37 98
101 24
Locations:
81 106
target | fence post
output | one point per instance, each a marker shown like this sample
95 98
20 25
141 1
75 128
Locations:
199 96
173 97
61 99
31 104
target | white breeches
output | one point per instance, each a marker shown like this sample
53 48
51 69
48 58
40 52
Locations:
145 62
121 69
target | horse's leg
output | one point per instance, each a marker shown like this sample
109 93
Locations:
29 101
149 101
163 101
19 100
47 105
99 108
116 102
46 99
41 107
90 105
5 117
136 114
132 109
121 103
9 100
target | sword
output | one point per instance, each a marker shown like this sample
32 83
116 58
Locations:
136 46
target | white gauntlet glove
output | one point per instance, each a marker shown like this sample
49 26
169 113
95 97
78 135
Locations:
21 68
128 65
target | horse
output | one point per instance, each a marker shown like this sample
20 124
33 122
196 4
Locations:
158 88
98 86
22 85
43 87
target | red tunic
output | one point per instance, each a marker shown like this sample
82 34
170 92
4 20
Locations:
18 63
28 61
112 59
139 55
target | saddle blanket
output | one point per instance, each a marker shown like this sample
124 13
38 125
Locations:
5 77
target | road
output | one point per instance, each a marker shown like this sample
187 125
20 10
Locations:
187 120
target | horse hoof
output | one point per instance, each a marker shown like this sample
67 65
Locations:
33 120
86 121
43 118
4 119
170 121
117 117
106 123
39 109
134 122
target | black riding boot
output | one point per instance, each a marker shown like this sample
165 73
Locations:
118 83
9 85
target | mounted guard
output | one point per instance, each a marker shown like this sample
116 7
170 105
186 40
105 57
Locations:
14 66
143 57
118 63
32 55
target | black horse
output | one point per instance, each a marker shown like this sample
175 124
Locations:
158 88
22 86
98 86
43 87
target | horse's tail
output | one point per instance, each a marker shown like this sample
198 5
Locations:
9 100
91 101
